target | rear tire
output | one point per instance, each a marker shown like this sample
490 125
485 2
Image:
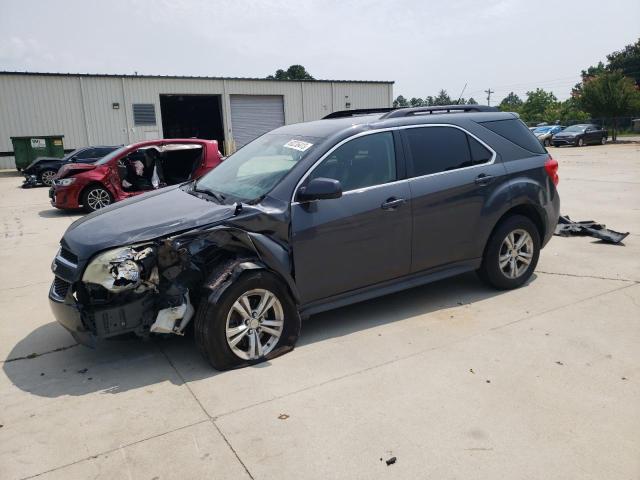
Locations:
547 143
218 325
603 141
96 197
504 267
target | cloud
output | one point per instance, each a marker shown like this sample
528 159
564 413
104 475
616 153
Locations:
20 53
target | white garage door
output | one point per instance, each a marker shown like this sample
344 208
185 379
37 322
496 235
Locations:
253 115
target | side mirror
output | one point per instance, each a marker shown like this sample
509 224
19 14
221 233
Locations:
320 189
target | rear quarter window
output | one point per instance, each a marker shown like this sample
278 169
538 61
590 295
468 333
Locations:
516 132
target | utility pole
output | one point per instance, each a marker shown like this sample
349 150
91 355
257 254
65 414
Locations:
489 92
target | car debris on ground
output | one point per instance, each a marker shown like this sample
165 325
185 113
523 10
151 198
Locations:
567 227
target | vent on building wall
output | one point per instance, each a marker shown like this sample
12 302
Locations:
144 114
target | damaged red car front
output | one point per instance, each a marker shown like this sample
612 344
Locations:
132 170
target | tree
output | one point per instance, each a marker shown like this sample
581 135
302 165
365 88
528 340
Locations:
627 60
534 107
294 72
565 113
400 101
443 98
586 75
472 101
610 94
510 103
416 102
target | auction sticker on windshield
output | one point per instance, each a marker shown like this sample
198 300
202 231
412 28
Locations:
298 145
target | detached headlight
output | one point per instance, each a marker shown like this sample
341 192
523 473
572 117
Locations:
63 182
119 269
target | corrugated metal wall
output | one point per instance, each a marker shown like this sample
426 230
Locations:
80 107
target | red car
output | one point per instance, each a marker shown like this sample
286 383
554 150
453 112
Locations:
132 170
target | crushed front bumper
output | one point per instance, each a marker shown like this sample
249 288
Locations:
89 325
67 312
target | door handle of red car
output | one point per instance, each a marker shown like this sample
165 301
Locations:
393 203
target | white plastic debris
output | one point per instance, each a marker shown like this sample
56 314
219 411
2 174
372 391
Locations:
174 319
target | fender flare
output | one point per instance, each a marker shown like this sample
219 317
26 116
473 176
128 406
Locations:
257 251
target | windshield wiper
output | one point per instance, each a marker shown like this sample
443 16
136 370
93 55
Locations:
220 198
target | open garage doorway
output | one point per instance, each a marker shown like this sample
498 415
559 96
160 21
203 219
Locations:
187 116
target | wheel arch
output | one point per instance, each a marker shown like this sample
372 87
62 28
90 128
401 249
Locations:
532 212
223 252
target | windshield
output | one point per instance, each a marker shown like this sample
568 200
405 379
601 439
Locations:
255 169
109 157
70 154
575 128
542 129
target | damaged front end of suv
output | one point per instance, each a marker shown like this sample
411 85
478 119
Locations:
155 283
212 254
152 287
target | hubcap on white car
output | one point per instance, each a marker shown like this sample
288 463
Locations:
254 324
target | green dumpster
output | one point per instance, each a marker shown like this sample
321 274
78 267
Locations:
27 149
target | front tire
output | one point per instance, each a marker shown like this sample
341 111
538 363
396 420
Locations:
512 253
249 323
547 142
96 197
603 141
46 176
580 142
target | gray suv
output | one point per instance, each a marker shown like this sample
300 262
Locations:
310 217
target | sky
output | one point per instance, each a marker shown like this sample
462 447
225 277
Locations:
424 46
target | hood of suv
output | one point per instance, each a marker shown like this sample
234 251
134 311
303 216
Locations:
141 218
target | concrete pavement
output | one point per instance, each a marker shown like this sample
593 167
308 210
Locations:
453 379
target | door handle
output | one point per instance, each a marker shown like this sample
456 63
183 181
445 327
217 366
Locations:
393 203
484 179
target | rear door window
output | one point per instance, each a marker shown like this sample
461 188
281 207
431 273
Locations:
516 132
442 149
479 153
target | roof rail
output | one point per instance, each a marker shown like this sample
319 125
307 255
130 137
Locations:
407 111
355 112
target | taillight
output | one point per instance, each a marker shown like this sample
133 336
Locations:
551 166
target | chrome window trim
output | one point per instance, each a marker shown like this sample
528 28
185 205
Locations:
391 129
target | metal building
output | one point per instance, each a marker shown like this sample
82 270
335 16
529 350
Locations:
120 109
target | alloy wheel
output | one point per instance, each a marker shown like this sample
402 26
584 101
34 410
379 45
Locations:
516 253
98 198
47 177
254 324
